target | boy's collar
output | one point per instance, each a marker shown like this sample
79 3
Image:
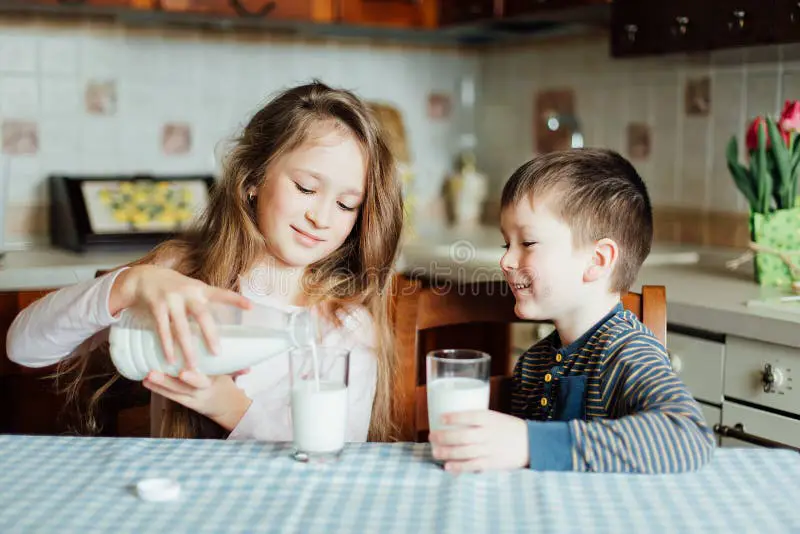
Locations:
583 339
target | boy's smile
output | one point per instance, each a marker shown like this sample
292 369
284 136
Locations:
543 269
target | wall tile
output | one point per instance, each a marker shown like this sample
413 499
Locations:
666 155
61 96
19 96
18 54
728 100
762 93
59 55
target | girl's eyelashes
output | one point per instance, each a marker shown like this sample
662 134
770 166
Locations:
346 208
303 189
506 246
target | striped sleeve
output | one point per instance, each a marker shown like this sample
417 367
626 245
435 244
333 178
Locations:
658 426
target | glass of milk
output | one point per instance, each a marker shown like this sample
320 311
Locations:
319 378
457 381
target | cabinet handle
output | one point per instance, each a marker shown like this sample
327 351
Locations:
244 12
738 21
676 362
681 26
631 30
71 2
737 432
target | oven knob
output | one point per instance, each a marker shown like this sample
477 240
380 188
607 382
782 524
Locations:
676 362
771 378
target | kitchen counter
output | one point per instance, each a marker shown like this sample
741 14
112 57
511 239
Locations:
46 268
701 292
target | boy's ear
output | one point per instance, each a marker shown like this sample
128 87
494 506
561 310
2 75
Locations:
605 255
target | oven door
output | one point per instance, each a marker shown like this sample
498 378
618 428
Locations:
743 426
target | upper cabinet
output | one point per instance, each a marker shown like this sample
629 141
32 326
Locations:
310 10
465 11
691 26
514 8
389 13
74 3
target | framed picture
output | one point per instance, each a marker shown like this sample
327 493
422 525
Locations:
143 206
123 212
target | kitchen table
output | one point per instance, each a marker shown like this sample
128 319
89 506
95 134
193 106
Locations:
80 484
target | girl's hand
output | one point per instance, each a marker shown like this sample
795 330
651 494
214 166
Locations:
171 298
216 397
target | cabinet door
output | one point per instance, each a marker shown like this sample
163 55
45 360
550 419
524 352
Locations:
682 26
633 30
743 23
82 3
316 10
461 11
390 13
514 8
787 20
663 28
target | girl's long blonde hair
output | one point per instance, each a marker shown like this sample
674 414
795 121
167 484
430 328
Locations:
227 243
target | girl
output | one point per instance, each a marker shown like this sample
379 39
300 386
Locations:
308 213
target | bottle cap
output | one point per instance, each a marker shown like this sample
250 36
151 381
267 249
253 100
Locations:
158 489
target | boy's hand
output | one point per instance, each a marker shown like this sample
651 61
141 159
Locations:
216 397
484 441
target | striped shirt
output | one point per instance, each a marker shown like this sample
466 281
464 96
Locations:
609 402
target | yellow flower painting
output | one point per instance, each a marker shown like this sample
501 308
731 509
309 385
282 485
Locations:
143 205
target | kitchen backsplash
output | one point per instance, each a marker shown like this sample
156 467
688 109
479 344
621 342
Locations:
672 116
97 98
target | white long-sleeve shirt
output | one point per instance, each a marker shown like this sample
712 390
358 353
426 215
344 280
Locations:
78 318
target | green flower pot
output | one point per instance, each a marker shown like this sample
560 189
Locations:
779 230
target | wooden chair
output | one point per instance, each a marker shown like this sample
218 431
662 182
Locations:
420 311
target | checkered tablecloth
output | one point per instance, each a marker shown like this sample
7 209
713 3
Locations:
70 484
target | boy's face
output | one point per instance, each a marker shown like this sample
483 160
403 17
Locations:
545 271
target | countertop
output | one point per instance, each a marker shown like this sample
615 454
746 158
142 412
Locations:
701 292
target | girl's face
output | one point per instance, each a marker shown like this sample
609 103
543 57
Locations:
311 197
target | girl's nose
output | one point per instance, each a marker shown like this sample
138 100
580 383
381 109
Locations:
319 216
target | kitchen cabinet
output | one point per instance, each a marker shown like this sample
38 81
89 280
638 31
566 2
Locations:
389 13
76 3
633 29
311 10
690 26
742 23
787 20
464 11
514 8
31 404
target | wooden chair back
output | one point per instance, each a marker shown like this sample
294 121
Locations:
419 310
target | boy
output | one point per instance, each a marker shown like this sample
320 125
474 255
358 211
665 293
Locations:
599 393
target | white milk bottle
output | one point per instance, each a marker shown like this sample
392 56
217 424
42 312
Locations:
246 338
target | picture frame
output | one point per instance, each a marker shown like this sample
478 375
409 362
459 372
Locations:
121 212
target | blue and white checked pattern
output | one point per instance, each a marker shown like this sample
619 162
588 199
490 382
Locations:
71 484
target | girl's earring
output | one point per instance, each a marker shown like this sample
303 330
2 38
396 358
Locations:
251 196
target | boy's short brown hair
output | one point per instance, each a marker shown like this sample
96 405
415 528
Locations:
598 194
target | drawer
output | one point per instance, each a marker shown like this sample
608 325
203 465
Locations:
699 364
760 423
762 373
712 414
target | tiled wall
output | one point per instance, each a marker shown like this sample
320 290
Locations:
686 169
91 98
